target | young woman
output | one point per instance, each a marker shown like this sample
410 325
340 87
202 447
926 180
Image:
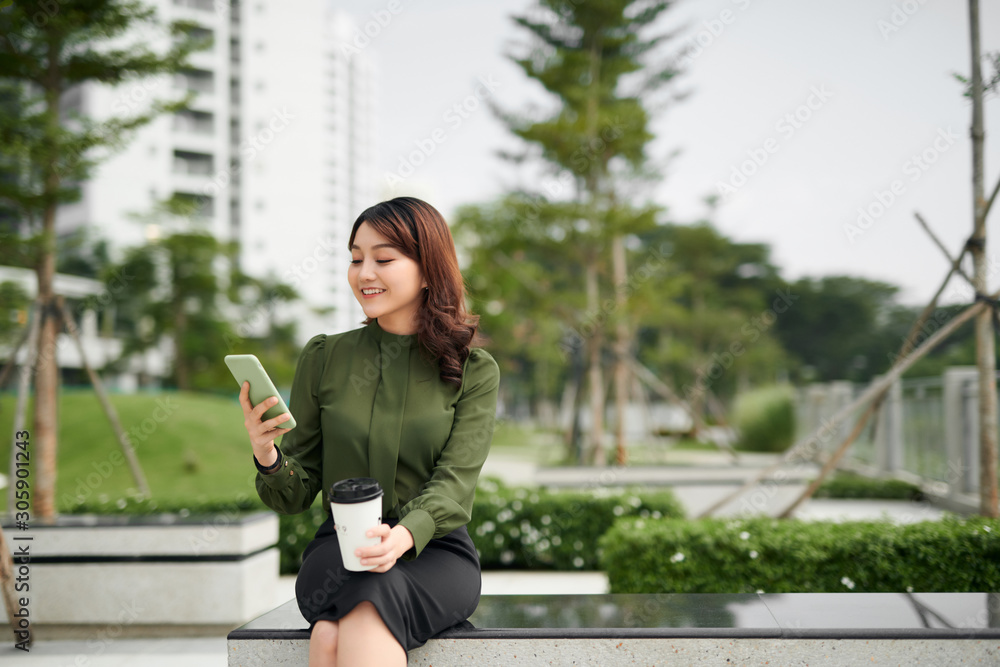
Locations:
407 400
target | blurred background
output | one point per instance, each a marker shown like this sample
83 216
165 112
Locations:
704 200
690 230
659 207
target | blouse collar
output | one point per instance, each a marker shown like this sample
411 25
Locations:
382 336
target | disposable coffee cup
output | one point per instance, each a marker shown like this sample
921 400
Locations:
357 508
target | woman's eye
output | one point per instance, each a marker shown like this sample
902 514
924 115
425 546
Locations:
355 261
382 261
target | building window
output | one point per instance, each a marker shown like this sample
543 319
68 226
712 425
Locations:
200 34
191 163
197 122
204 5
198 80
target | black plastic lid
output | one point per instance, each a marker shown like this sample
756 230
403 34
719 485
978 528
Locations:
355 490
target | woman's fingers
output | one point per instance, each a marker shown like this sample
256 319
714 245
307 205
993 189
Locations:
382 555
245 399
272 424
264 406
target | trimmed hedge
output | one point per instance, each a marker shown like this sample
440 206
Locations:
521 528
536 529
788 556
512 527
852 485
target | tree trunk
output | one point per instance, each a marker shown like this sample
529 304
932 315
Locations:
985 337
181 374
595 343
621 373
46 418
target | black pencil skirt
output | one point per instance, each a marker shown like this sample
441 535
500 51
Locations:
416 599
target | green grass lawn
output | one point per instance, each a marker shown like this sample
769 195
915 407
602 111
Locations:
191 446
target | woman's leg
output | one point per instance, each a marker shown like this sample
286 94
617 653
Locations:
365 640
323 644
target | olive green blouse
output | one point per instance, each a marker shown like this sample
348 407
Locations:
369 403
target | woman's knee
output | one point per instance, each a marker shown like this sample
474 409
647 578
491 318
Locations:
324 635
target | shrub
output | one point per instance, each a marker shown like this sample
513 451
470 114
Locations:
852 485
765 419
744 556
559 530
512 527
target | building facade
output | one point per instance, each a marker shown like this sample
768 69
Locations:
276 152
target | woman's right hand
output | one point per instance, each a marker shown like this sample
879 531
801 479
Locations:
262 433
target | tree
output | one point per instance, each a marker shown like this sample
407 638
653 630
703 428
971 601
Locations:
843 327
711 329
590 57
47 49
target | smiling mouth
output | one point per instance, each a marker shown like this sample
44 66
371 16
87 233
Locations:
372 291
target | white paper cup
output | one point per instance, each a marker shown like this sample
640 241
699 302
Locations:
357 508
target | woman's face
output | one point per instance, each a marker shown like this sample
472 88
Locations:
388 284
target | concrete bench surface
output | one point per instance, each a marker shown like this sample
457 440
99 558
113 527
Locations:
823 628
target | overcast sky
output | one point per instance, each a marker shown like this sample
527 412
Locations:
808 111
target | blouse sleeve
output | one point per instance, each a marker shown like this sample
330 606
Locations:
445 501
294 486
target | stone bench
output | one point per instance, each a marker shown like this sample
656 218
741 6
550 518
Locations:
799 628
149 575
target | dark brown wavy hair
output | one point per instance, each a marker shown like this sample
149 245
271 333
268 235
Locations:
444 328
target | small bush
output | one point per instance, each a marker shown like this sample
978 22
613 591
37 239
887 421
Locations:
765 419
745 556
852 485
559 530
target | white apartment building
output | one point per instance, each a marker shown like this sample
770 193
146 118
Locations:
277 151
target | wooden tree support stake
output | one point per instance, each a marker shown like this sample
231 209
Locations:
109 410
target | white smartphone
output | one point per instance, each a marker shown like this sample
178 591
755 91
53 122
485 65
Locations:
247 368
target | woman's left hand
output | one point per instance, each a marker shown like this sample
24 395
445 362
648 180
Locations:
396 541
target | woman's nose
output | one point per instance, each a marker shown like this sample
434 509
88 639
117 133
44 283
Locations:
367 270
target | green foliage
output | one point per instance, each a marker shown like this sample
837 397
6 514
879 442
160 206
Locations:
716 326
135 504
744 556
14 302
518 527
852 485
765 419
173 288
843 328
523 528
295 531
